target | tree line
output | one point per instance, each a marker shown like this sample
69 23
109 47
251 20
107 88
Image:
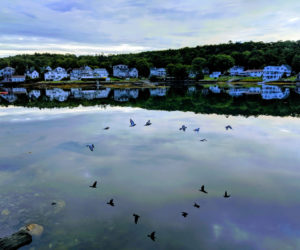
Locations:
178 62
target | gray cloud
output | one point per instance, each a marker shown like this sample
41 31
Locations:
119 26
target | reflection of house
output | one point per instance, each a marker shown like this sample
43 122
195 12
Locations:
297 90
90 94
191 89
123 71
56 75
123 95
10 97
19 90
33 74
215 74
241 91
158 92
57 94
236 71
274 73
17 79
34 94
215 89
159 72
253 73
274 92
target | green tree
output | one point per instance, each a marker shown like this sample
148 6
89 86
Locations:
296 63
220 62
198 64
143 67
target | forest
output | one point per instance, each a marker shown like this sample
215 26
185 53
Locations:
251 55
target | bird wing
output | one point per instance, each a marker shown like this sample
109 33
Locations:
131 122
152 234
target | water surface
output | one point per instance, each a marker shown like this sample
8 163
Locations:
153 171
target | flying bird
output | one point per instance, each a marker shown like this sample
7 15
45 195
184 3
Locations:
148 123
197 129
106 128
228 127
91 146
183 128
132 124
53 203
196 205
152 236
203 140
184 214
111 202
94 185
136 218
202 189
226 195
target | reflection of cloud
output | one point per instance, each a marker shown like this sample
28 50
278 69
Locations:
217 230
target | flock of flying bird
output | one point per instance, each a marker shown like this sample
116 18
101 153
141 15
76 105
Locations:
152 235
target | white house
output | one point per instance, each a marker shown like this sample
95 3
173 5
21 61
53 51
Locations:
123 71
253 73
215 74
7 73
56 75
158 72
33 74
269 92
274 73
236 70
100 73
57 94
17 79
158 92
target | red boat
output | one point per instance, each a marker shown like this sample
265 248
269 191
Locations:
3 93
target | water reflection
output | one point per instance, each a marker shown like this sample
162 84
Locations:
153 171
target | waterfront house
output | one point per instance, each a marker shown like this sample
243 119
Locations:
56 75
100 73
205 71
122 71
274 73
17 79
7 73
158 72
236 71
253 73
215 74
57 94
33 74
269 92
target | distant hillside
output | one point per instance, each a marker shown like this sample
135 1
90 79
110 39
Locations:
251 55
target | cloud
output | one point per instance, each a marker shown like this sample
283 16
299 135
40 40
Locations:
52 25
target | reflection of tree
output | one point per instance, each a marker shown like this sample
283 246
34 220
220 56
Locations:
178 99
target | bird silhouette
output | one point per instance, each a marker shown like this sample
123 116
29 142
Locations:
202 189
196 205
111 202
197 129
94 185
228 127
183 128
91 146
53 203
106 128
226 195
148 123
132 124
184 214
203 140
152 236
136 218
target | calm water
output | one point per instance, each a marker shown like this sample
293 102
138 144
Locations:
153 171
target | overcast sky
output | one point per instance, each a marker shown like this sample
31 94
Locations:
118 26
